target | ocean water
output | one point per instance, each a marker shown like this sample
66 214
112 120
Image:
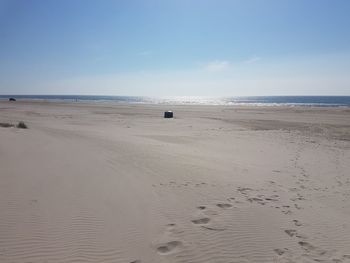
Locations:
320 101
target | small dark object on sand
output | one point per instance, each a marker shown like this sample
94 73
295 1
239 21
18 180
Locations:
22 125
6 125
12 99
168 114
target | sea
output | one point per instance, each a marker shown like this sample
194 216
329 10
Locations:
307 101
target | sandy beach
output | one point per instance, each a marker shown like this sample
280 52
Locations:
119 183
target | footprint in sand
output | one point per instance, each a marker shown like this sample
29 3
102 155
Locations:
169 247
317 253
201 207
297 222
272 198
201 221
297 206
287 212
214 228
173 229
290 232
244 190
257 200
222 205
280 252
136 261
170 227
306 245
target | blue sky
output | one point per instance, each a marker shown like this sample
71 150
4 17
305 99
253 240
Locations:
182 47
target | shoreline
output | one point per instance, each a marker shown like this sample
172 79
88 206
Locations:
115 103
268 101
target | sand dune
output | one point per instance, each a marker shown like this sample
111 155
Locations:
118 183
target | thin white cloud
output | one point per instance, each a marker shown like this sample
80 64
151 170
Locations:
323 75
192 83
252 60
218 65
145 53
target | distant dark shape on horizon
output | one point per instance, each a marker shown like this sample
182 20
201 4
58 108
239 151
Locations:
12 99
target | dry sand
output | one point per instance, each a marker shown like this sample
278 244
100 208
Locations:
118 183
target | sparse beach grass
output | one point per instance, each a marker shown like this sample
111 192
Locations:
22 125
6 125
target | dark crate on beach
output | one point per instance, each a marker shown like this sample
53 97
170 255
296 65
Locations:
168 114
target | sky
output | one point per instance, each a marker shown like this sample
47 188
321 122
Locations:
175 48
